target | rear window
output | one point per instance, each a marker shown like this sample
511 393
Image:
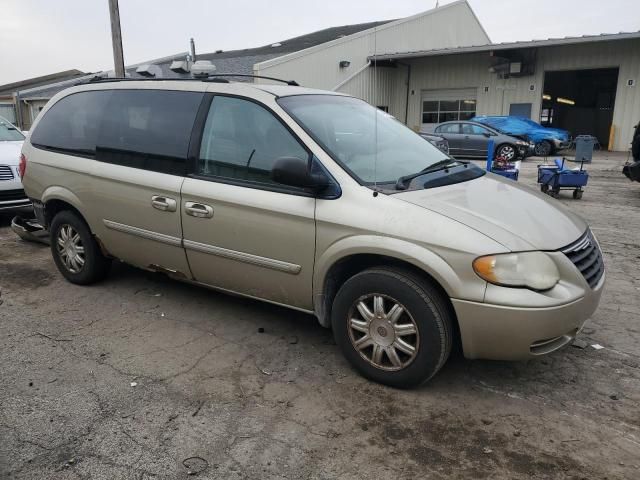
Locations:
146 129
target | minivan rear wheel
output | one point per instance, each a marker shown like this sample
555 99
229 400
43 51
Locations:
392 326
75 251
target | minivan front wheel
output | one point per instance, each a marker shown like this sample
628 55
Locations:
75 251
392 326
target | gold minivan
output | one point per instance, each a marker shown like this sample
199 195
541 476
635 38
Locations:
315 201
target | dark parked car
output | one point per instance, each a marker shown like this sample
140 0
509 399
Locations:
547 140
471 139
436 140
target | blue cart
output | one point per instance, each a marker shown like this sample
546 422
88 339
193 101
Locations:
553 178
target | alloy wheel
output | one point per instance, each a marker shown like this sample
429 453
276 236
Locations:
507 152
70 248
543 149
383 332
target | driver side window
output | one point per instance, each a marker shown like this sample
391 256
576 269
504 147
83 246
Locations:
468 129
242 140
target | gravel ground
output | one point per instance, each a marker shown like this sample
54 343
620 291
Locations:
142 377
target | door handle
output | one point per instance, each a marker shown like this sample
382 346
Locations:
199 210
165 204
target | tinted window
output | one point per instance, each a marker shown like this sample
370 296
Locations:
72 124
148 129
242 140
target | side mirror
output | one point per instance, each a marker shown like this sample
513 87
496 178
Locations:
488 134
296 172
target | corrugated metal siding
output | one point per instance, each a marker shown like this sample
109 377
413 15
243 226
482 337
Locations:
318 67
471 71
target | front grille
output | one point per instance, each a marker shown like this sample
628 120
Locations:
8 195
6 173
587 257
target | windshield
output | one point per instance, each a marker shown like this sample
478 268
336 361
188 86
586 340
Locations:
8 132
346 129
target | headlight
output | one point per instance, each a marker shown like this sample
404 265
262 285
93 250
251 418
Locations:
534 270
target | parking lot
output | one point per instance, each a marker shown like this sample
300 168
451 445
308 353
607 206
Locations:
143 377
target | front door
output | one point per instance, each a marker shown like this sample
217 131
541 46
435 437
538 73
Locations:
242 232
476 139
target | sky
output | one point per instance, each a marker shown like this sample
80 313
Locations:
39 37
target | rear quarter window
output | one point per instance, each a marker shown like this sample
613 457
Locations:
146 129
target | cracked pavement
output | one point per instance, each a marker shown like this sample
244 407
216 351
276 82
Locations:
215 398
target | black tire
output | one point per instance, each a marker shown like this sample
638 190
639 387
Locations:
95 266
555 193
543 148
507 151
544 188
424 308
577 194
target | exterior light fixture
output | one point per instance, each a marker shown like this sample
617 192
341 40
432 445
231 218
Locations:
546 97
345 63
566 101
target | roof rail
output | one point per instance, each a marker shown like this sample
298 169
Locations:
212 77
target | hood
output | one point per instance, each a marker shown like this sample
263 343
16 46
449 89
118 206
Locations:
555 132
515 216
10 152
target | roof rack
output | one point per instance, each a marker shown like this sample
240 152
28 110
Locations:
212 77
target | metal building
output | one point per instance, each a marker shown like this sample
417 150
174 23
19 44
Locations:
440 65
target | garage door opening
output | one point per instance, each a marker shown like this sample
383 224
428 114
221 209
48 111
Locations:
580 101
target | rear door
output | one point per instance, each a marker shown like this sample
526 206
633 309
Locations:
451 131
141 155
242 232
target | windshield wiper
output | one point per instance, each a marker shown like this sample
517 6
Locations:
401 184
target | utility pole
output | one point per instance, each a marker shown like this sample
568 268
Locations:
116 38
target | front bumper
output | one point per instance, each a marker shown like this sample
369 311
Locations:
13 197
561 144
14 205
498 332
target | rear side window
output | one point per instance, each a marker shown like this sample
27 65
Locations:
242 141
72 124
146 129
449 128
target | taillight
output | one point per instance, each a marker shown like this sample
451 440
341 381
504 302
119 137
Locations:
22 168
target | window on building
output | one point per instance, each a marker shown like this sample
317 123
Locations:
546 117
438 111
242 141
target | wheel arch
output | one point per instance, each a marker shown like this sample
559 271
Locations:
341 262
56 199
